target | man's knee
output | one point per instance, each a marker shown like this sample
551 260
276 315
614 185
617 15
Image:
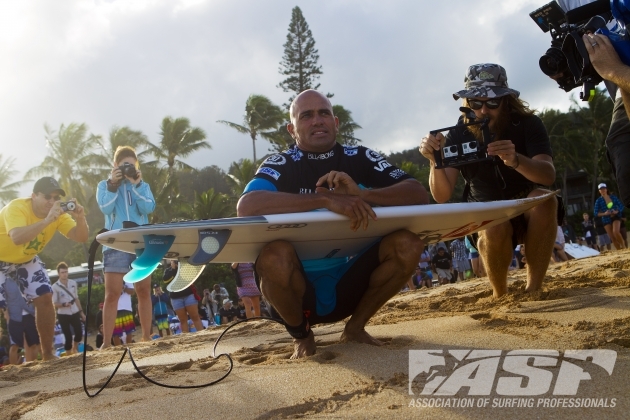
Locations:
495 234
278 257
405 246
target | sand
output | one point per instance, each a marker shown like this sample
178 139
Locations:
585 304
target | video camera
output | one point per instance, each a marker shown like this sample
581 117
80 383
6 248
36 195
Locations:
567 61
464 153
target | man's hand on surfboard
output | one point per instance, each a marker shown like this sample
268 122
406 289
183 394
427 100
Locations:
339 182
352 206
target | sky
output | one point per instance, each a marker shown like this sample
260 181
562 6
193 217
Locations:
393 64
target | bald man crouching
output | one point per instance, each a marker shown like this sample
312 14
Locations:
316 173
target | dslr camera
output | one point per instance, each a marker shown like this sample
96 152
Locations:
567 60
467 152
67 206
128 170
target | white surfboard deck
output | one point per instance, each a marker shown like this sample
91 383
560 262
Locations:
322 234
580 251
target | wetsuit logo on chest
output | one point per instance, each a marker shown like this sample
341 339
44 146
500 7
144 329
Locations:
321 156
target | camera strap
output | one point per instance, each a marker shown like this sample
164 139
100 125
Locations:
67 291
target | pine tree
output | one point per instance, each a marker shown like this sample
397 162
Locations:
300 58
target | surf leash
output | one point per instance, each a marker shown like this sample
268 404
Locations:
92 255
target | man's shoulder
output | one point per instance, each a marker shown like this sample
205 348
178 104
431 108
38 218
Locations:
19 204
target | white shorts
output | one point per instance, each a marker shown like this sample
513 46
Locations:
443 273
30 276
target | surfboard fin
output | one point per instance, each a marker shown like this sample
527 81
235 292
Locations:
211 242
155 247
186 275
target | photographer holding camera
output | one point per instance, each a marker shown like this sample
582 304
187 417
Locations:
26 226
522 162
124 196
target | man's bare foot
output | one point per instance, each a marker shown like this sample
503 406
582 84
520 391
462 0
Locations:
49 356
304 346
104 346
359 336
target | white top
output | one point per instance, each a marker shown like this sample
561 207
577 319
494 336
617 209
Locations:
560 236
124 301
61 296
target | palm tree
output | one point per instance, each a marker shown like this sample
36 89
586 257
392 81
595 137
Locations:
8 191
261 117
239 175
212 205
72 160
345 135
178 140
125 136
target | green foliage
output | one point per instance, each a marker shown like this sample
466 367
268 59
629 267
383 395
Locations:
72 159
8 190
239 175
299 62
345 135
202 180
212 205
261 117
97 296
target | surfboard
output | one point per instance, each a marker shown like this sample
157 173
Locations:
314 234
579 251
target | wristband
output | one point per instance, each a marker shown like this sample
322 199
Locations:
518 162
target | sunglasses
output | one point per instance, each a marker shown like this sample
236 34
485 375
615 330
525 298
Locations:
48 197
490 103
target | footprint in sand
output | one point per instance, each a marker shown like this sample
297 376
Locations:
22 396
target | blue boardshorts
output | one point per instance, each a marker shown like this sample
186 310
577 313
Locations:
332 295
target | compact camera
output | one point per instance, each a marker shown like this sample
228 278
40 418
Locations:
67 206
128 170
461 154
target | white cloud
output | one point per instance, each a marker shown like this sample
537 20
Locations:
132 62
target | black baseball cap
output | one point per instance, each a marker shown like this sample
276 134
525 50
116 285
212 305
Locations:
47 185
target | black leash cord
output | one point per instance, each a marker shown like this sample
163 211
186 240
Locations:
93 247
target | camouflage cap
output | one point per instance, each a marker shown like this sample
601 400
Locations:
486 81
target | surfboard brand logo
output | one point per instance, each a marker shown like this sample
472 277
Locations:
350 150
295 153
397 173
276 160
372 155
509 373
287 226
268 171
321 156
382 165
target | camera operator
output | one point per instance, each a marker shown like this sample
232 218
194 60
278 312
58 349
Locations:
608 65
523 162
26 226
124 196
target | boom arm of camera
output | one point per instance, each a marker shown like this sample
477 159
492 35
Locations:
461 157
